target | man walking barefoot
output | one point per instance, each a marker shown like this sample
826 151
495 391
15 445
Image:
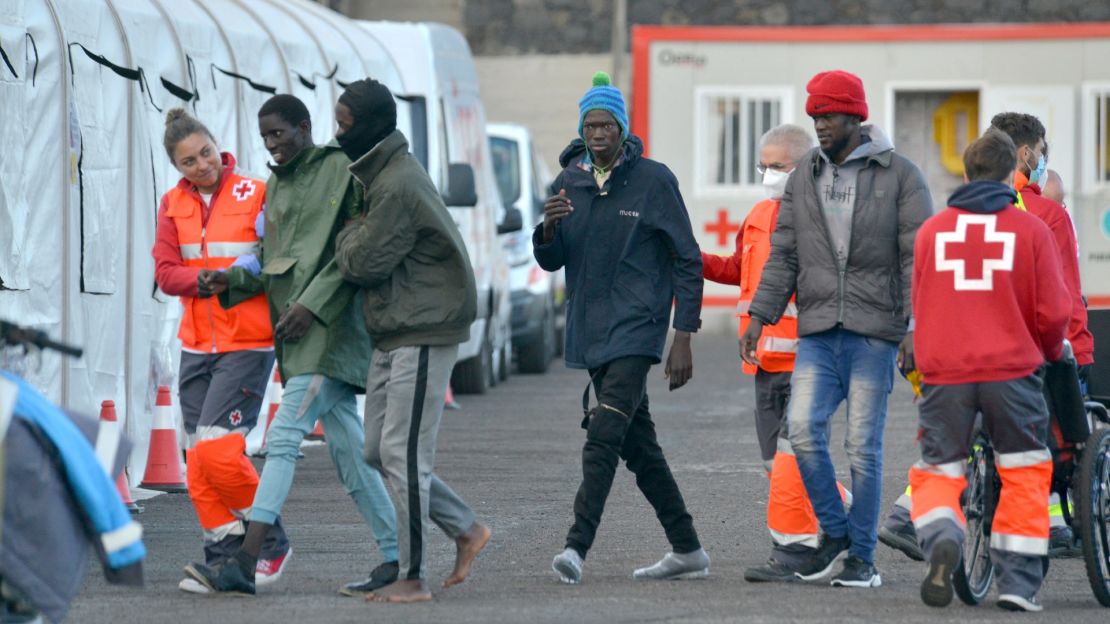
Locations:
407 254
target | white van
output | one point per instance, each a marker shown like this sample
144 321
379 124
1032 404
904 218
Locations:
537 296
449 138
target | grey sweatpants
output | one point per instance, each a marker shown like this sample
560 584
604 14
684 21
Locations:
404 403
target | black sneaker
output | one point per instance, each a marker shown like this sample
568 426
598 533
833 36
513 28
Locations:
902 537
857 573
936 589
773 571
230 578
820 563
380 576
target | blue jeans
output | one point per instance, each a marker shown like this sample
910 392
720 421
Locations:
306 399
831 367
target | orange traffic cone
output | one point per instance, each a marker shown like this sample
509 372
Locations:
275 394
108 415
317 433
449 400
163 461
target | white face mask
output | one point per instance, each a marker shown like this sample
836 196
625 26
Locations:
774 183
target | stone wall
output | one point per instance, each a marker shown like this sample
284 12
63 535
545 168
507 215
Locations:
507 27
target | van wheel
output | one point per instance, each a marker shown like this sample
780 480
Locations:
505 360
473 376
535 357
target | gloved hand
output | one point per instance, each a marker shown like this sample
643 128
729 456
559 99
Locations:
250 263
260 223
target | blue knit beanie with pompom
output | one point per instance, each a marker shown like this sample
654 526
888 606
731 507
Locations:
603 96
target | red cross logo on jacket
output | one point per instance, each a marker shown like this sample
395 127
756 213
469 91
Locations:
243 190
983 250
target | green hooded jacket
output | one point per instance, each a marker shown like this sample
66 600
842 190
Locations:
407 253
308 201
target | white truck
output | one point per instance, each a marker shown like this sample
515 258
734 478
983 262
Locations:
448 136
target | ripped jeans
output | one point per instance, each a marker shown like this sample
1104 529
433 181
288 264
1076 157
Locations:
621 428
834 366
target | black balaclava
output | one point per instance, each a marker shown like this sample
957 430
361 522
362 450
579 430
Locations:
375 113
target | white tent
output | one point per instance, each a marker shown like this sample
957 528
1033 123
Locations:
84 88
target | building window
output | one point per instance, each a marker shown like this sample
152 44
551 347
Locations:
1096 136
730 123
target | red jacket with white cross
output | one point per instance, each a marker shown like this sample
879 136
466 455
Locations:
988 296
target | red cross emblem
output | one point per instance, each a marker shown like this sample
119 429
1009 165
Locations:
723 228
975 269
235 417
243 190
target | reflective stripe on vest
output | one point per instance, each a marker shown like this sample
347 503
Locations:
231 250
780 345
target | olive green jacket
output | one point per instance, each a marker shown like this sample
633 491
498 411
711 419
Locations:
308 201
407 253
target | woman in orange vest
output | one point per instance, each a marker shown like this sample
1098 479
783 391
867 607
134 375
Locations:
790 516
208 222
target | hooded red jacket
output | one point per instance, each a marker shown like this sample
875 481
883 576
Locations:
989 300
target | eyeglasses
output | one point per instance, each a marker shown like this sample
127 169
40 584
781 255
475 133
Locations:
783 167
607 127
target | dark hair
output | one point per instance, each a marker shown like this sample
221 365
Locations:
288 107
179 125
992 156
1023 129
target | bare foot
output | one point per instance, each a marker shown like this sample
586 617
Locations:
468 546
402 592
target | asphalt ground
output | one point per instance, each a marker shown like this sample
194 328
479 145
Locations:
514 454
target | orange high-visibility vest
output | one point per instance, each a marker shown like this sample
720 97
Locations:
229 233
779 343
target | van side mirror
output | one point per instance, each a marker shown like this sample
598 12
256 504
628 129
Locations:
513 222
460 191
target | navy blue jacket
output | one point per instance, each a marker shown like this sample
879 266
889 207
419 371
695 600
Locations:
629 251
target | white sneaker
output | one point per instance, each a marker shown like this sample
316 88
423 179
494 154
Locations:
191 586
674 566
1013 602
568 565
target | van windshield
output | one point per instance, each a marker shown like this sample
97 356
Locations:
506 166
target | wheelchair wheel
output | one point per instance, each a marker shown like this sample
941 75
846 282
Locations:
1094 512
972 578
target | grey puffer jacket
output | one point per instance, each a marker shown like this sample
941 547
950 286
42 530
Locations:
871 295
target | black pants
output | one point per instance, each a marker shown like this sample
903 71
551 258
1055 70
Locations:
620 427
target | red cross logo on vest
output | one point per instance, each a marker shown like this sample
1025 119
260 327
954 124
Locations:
243 190
983 250
235 418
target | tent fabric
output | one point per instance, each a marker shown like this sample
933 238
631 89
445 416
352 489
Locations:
85 85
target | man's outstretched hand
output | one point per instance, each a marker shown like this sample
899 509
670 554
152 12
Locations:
680 361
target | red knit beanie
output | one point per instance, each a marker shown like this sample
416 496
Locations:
836 92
